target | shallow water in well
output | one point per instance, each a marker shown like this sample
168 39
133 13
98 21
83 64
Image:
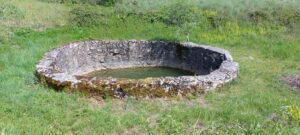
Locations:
141 73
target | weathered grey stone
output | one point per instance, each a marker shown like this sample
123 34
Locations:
65 67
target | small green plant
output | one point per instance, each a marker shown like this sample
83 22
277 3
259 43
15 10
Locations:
293 112
84 17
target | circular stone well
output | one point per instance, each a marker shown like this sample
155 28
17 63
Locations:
66 67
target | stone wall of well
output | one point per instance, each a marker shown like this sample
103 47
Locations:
64 67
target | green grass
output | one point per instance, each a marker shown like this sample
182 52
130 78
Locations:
243 107
35 14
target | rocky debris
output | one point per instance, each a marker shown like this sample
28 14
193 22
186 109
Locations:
64 68
119 93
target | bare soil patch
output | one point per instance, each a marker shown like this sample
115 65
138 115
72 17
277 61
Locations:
293 81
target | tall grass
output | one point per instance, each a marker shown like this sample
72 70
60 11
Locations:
232 7
15 14
270 14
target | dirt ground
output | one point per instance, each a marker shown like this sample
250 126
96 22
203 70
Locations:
292 80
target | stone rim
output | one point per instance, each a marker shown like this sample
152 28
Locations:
182 85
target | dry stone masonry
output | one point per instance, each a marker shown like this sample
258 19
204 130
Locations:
65 68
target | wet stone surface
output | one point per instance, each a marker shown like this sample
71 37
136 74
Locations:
66 68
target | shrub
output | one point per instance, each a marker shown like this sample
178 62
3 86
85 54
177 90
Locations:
288 17
293 22
106 2
84 16
214 18
182 15
179 14
292 112
151 16
259 16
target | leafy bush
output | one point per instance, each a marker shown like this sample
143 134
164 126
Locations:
214 18
155 16
288 17
183 16
151 16
84 16
107 2
259 16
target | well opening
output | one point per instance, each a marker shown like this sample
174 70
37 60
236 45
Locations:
138 68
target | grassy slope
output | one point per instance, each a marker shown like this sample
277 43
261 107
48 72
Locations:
37 15
245 106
